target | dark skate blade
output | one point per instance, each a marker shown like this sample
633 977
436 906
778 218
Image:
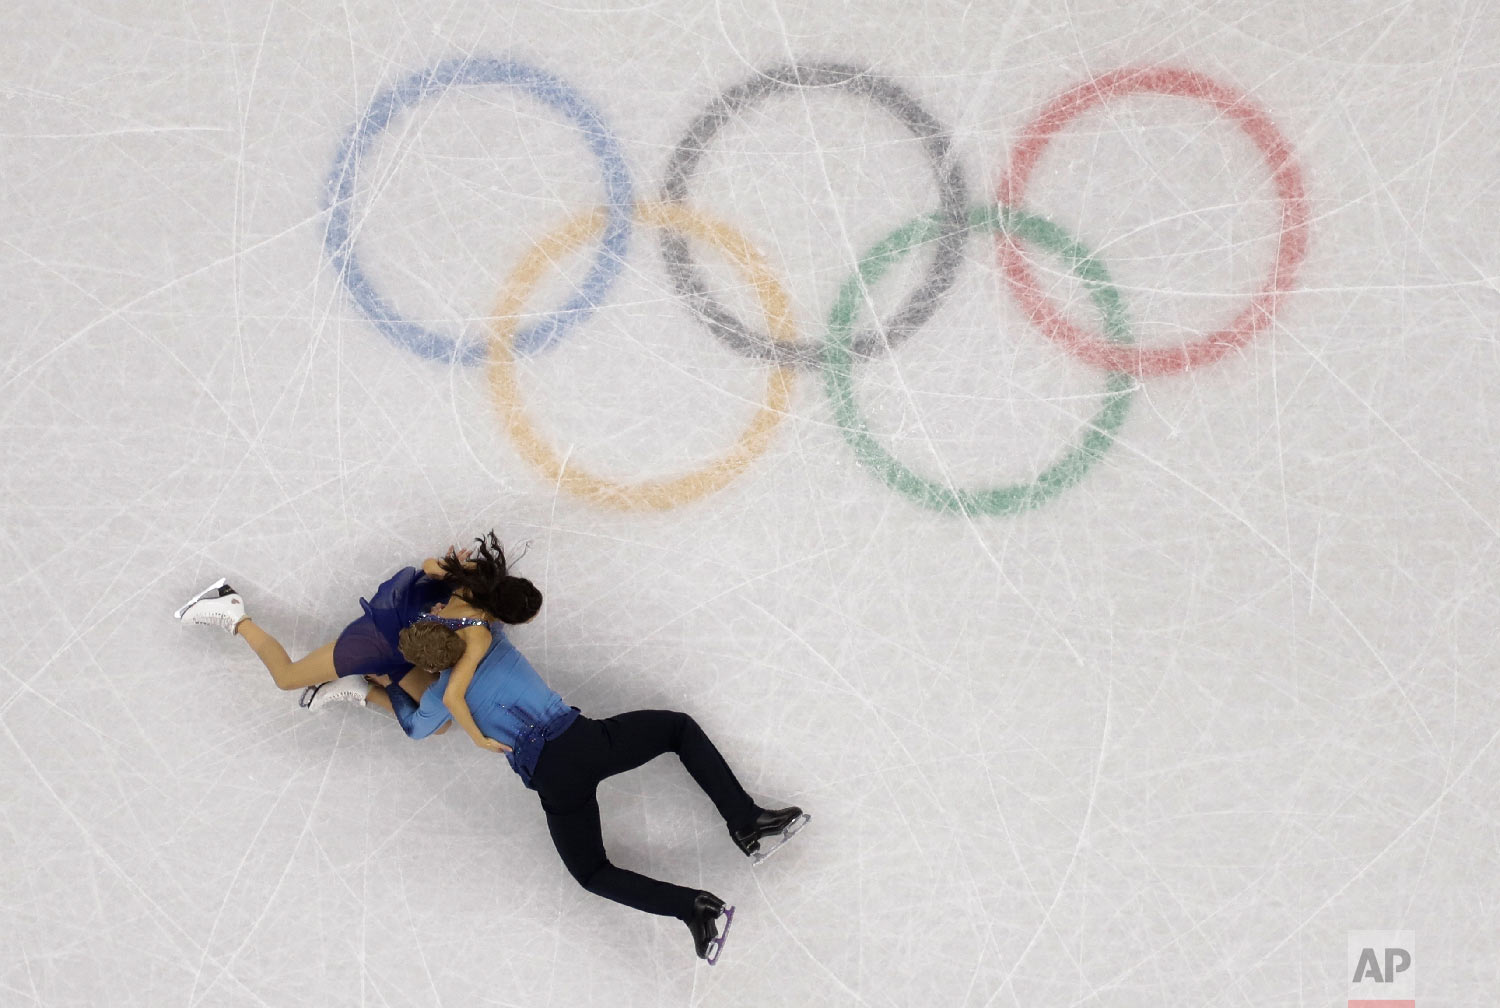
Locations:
793 828
205 593
716 945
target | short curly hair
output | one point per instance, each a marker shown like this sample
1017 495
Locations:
429 645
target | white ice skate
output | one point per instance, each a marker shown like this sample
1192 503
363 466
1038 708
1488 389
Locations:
218 605
346 689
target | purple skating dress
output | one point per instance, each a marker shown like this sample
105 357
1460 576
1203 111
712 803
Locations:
368 645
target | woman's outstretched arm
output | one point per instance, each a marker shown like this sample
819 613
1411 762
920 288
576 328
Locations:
476 643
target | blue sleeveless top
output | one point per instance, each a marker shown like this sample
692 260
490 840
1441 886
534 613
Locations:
509 701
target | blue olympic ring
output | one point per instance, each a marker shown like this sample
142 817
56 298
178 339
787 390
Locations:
338 240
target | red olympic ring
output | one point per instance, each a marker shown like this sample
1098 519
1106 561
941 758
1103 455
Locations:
1287 176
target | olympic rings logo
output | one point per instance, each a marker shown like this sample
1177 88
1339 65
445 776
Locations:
946 230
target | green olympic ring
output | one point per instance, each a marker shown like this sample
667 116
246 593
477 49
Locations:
1005 500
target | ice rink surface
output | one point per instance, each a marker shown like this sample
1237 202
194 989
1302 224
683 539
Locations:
1109 566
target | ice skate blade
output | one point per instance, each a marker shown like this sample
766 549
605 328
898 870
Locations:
716 944
205 593
793 828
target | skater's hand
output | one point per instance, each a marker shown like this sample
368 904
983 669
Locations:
491 745
432 566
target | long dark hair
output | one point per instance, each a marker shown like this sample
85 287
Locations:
486 583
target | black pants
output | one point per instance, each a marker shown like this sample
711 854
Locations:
568 774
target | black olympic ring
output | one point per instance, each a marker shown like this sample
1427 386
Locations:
953 203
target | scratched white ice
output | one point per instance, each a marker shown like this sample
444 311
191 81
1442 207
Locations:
1139 689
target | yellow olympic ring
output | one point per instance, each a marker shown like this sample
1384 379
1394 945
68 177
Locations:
650 495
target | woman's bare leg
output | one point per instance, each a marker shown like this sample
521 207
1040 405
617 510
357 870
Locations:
379 699
416 683
317 667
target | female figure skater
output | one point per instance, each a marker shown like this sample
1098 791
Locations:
493 694
366 647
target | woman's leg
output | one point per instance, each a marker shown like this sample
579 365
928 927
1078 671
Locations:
399 702
378 698
640 736
416 682
289 675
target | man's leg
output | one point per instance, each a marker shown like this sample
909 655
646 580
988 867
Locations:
640 736
580 843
